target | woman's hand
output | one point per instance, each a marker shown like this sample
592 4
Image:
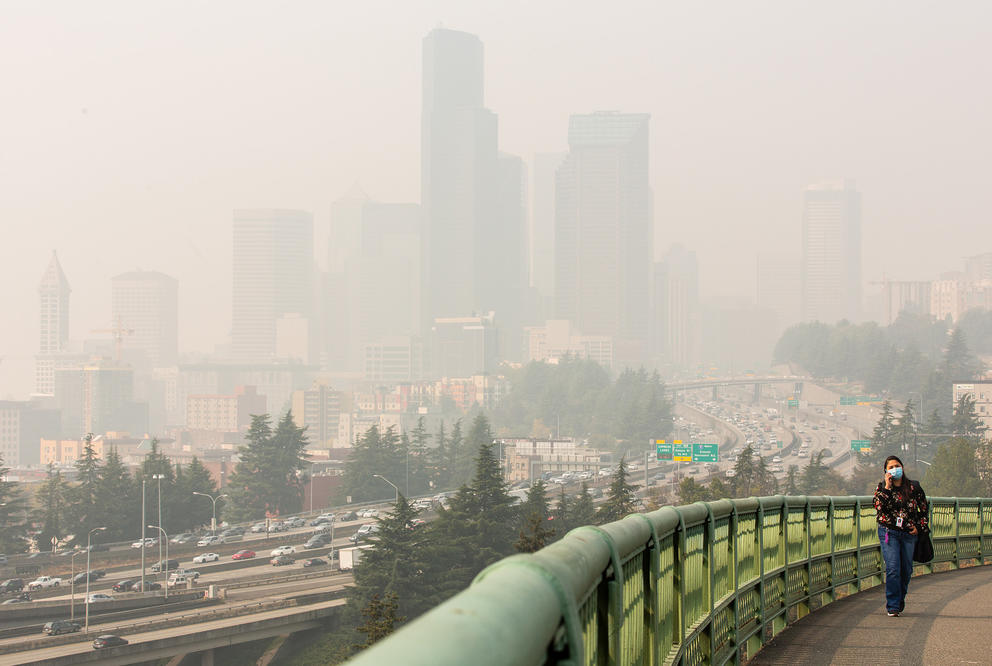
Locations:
888 481
912 529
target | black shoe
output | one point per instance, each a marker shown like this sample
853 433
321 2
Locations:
893 613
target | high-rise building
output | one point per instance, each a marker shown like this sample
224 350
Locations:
979 267
146 302
777 287
318 409
464 346
273 268
98 397
603 230
831 263
458 172
542 227
22 426
676 307
54 324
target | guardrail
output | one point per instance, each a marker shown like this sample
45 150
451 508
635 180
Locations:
707 583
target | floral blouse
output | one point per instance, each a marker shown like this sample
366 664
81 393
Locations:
889 505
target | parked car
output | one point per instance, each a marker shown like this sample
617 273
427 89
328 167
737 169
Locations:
282 550
243 555
108 640
124 585
150 586
12 585
316 541
314 562
166 565
97 597
56 627
281 560
206 557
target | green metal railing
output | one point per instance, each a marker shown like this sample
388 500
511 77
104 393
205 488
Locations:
707 583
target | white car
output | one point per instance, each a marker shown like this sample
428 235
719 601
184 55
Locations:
210 541
149 542
282 550
100 596
206 557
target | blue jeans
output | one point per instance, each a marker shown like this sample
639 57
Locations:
897 551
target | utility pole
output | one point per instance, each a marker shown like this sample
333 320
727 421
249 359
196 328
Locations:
143 534
159 477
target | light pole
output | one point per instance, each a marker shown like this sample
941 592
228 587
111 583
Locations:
213 499
143 480
312 465
72 586
88 538
397 490
159 477
164 537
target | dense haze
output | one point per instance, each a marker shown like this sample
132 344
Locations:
131 131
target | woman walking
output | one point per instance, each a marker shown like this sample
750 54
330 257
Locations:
902 514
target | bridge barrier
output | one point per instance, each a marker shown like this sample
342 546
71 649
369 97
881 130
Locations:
707 583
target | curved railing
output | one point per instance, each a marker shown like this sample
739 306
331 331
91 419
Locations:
707 583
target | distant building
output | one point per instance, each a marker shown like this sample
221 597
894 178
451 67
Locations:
831 263
53 295
542 227
146 303
464 346
98 396
604 230
557 339
318 409
979 267
275 381
394 359
527 459
224 413
778 287
273 276
676 307
22 426
953 297
898 296
981 391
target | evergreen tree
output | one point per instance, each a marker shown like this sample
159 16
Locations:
380 618
563 515
955 471
266 480
792 480
118 499
51 509
534 531
584 510
690 491
440 473
157 463
884 429
194 511
965 420
745 473
458 472
620 498
904 431
83 497
419 473
720 489
13 526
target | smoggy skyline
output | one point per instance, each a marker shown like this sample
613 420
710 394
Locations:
132 132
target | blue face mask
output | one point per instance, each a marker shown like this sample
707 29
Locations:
896 472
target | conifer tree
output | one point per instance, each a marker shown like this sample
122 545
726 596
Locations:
620 498
534 532
83 496
584 510
118 499
51 504
380 618
13 526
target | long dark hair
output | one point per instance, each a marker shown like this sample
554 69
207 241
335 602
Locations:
903 488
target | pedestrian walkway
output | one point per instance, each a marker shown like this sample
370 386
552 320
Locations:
948 620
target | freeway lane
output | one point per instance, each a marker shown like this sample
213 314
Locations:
36 656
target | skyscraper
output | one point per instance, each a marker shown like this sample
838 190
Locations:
603 230
273 268
831 263
542 227
458 171
676 307
54 324
777 287
146 302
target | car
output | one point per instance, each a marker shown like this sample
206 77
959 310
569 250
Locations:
42 582
148 543
181 538
320 520
210 541
314 562
278 527
97 597
16 600
315 542
166 565
323 529
295 522
258 528
351 515
124 585
363 532
81 577
233 532
243 555
108 640
206 557
150 586
12 585
56 627
187 538
281 560
282 550
3 558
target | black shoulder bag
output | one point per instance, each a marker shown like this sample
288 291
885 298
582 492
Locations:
923 553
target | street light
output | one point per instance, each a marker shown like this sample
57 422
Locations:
159 477
397 490
88 549
165 564
72 585
213 521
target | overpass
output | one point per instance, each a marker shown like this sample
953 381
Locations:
756 382
708 583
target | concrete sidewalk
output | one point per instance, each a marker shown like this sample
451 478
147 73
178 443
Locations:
948 620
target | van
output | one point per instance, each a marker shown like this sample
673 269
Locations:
181 580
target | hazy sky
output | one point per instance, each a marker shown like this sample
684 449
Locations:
131 130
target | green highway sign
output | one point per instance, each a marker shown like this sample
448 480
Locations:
663 449
853 400
793 402
779 442
858 444
705 452
683 452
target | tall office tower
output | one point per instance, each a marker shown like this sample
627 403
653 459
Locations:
273 268
979 267
458 172
777 287
603 230
54 331
542 227
98 397
676 307
146 303
831 264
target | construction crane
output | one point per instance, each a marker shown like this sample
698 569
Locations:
118 331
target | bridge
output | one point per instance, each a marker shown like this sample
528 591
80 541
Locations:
756 382
716 583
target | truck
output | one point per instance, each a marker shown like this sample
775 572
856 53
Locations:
349 557
42 582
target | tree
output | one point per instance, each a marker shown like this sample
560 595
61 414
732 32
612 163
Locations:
194 511
584 509
13 526
380 618
720 489
690 491
954 472
118 499
792 480
52 502
745 473
965 420
620 498
534 531
83 509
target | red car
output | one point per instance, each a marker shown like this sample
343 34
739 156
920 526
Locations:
243 555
